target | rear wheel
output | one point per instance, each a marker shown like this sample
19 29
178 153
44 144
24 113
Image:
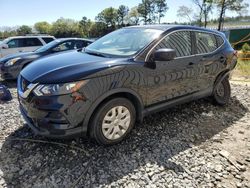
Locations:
113 121
222 92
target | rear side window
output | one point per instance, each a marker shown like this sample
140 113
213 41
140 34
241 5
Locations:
179 41
28 42
206 42
47 39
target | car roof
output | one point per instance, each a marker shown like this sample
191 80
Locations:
166 27
64 39
32 36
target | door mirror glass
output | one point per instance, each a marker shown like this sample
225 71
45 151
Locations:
164 54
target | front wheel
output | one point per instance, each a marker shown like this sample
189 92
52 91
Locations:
222 92
113 121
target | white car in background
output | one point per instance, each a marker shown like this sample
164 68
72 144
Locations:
18 44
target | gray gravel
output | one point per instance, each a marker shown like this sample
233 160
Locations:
191 145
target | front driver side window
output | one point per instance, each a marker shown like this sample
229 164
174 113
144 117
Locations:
179 41
13 43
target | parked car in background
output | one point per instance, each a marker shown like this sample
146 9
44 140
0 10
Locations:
122 77
11 66
17 44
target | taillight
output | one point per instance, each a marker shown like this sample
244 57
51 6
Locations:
235 53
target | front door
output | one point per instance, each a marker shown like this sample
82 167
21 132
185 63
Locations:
175 78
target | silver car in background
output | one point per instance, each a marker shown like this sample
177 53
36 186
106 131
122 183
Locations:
17 44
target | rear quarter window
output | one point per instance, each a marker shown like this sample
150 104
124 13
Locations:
206 42
220 40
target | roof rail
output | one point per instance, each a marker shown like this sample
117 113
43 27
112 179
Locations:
38 34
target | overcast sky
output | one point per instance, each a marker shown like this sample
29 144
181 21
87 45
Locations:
28 12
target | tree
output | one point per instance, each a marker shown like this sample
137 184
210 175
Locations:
200 6
84 26
122 12
65 28
24 29
42 27
134 16
108 16
205 7
233 5
160 8
98 29
146 10
185 12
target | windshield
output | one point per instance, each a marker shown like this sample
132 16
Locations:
124 42
47 46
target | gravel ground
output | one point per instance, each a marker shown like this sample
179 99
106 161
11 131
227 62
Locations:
192 145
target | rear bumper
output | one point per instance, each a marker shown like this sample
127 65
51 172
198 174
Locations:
52 133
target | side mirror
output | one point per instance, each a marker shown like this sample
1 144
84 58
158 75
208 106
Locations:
164 54
5 46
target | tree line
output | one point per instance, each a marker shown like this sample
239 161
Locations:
146 12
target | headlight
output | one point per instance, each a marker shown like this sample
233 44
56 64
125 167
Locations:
58 89
11 62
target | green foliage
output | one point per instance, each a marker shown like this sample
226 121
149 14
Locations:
85 26
134 16
243 68
160 8
122 13
98 29
246 48
108 16
42 27
24 29
146 10
65 28
246 52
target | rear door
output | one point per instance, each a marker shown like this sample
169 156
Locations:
209 61
31 44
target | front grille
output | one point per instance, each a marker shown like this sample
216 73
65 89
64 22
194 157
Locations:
24 84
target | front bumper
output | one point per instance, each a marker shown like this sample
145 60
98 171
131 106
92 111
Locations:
52 133
53 116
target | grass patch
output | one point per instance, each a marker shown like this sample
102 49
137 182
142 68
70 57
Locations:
242 70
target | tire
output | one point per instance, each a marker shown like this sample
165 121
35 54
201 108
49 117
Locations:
114 116
222 92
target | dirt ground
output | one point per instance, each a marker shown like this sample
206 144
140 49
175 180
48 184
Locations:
197 144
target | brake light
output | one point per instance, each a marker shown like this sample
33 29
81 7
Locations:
236 53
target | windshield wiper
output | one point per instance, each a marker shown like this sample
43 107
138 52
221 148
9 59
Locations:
95 53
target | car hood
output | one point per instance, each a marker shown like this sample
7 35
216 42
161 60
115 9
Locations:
21 55
67 67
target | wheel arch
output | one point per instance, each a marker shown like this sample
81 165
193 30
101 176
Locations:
125 93
223 74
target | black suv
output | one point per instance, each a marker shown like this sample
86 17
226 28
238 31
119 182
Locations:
122 77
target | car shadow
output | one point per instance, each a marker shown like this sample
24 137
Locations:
155 141
10 83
